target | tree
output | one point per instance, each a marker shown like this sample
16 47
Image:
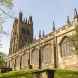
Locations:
76 39
6 3
2 59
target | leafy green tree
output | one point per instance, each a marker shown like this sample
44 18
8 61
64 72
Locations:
5 6
7 3
2 59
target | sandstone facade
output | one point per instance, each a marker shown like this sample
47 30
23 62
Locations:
56 50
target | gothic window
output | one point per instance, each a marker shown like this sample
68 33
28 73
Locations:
35 57
66 46
25 59
18 62
46 54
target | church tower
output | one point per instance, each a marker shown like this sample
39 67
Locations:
22 33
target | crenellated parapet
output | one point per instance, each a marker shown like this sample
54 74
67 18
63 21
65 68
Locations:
27 20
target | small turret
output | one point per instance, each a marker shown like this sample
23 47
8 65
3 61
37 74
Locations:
30 20
75 14
20 16
53 26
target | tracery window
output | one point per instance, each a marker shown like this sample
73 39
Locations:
46 54
67 47
25 58
35 56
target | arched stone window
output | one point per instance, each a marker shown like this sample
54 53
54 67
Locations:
25 58
66 46
46 54
35 56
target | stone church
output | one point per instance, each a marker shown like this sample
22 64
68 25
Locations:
54 50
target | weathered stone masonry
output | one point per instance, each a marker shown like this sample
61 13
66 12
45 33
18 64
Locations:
57 47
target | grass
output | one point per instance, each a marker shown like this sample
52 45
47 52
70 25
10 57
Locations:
29 73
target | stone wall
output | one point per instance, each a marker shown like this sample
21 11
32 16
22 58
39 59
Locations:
31 55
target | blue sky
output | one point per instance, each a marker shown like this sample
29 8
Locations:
42 12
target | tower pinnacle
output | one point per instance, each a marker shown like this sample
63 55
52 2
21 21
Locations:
39 33
75 13
20 16
53 28
68 20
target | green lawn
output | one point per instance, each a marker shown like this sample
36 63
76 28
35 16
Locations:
66 74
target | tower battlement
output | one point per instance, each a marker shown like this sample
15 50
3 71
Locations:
22 33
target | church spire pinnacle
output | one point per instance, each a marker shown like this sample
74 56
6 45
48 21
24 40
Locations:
53 28
75 13
53 25
20 16
68 20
